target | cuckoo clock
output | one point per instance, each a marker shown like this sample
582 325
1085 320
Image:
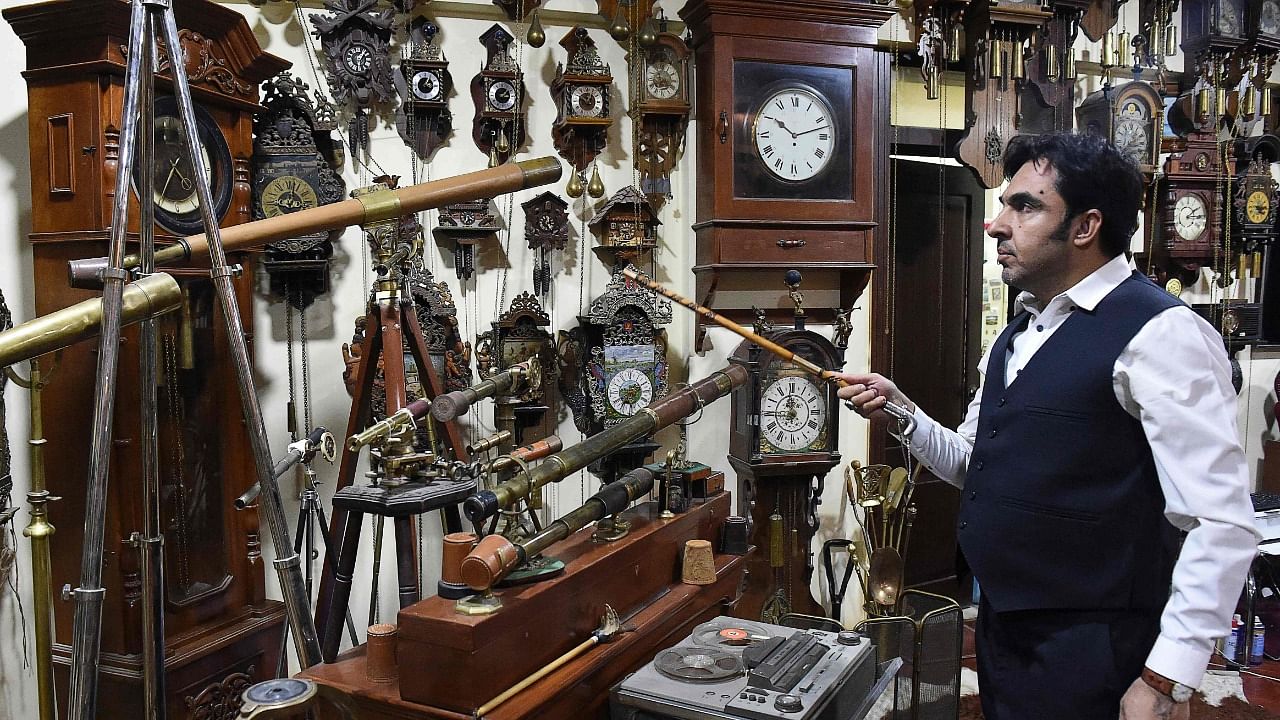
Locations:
581 91
615 364
291 174
1254 224
498 93
424 84
546 227
356 40
625 227
463 225
662 112
518 334
1189 210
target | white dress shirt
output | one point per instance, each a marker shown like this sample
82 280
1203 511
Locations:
1174 377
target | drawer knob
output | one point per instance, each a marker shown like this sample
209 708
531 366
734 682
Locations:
791 243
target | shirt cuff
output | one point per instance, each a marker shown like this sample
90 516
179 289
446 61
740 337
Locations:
1179 661
923 429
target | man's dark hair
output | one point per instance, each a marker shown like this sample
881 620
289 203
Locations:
1092 174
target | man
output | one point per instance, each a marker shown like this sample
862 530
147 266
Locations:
1106 423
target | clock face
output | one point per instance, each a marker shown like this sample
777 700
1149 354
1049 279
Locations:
286 194
662 80
1258 207
1189 217
586 101
1269 18
501 95
426 85
794 134
173 176
1228 17
793 413
1131 138
358 58
629 390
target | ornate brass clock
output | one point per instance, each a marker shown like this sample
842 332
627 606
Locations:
581 91
290 174
498 93
424 84
546 227
662 111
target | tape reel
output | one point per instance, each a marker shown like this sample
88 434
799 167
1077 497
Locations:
729 634
698 664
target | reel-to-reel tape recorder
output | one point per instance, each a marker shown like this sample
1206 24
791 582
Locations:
731 669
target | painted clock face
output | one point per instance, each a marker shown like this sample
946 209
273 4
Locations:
1189 217
426 85
1257 207
629 390
1131 136
793 413
794 134
286 194
501 95
586 101
662 80
1228 17
1269 18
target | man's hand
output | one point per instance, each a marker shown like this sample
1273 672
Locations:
1143 702
868 393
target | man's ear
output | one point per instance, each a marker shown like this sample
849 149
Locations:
1087 227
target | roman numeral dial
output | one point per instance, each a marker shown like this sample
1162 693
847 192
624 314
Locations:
793 413
794 133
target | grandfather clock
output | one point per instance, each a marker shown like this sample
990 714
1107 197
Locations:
222 632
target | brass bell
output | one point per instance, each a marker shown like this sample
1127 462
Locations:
536 36
619 29
648 33
595 188
574 188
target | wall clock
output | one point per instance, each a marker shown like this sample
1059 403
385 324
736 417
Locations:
581 91
546 228
498 92
177 207
424 84
357 46
662 111
291 174
1131 116
1255 198
1189 211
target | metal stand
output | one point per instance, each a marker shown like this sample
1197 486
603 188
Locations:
152 21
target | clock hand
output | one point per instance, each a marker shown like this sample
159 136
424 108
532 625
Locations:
806 132
780 124
173 167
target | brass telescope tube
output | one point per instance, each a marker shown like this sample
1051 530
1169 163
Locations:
496 556
450 405
146 298
527 453
661 413
370 208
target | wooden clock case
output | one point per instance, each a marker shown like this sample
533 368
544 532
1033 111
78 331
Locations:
222 632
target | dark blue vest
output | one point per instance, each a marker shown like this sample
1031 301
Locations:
1061 505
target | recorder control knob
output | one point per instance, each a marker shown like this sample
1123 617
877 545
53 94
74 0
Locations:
788 703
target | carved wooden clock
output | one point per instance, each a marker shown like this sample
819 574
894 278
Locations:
662 110
290 174
782 444
615 364
626 227
1212 31
357 47
518 334
546 228
791 157
1190 208
498 93
581 91
1131 116
464 225
424 85
1255 199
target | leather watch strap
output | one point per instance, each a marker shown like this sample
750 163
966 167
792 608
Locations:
1159 683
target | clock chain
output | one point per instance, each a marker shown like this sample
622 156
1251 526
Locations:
178 458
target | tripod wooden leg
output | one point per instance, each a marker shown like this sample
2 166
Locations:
406 561
332 637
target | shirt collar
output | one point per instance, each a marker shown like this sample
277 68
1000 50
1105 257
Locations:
1090 291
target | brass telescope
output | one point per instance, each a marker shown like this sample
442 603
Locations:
496 556
450 405
369 208
661 413
145 298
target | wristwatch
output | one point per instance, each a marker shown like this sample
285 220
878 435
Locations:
1178 692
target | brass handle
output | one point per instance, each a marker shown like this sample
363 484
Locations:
791 243
724 127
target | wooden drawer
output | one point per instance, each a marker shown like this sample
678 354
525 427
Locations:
782 244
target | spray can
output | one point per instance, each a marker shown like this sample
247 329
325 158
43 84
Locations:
1256 652
1231 643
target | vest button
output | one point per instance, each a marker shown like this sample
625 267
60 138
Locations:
1001 402
1039 328
978 465
973 495
964 524
992 434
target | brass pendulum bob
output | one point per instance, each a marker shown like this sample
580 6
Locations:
619 29
186 335
536 35
1125 50
648 33
595 188
574 188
